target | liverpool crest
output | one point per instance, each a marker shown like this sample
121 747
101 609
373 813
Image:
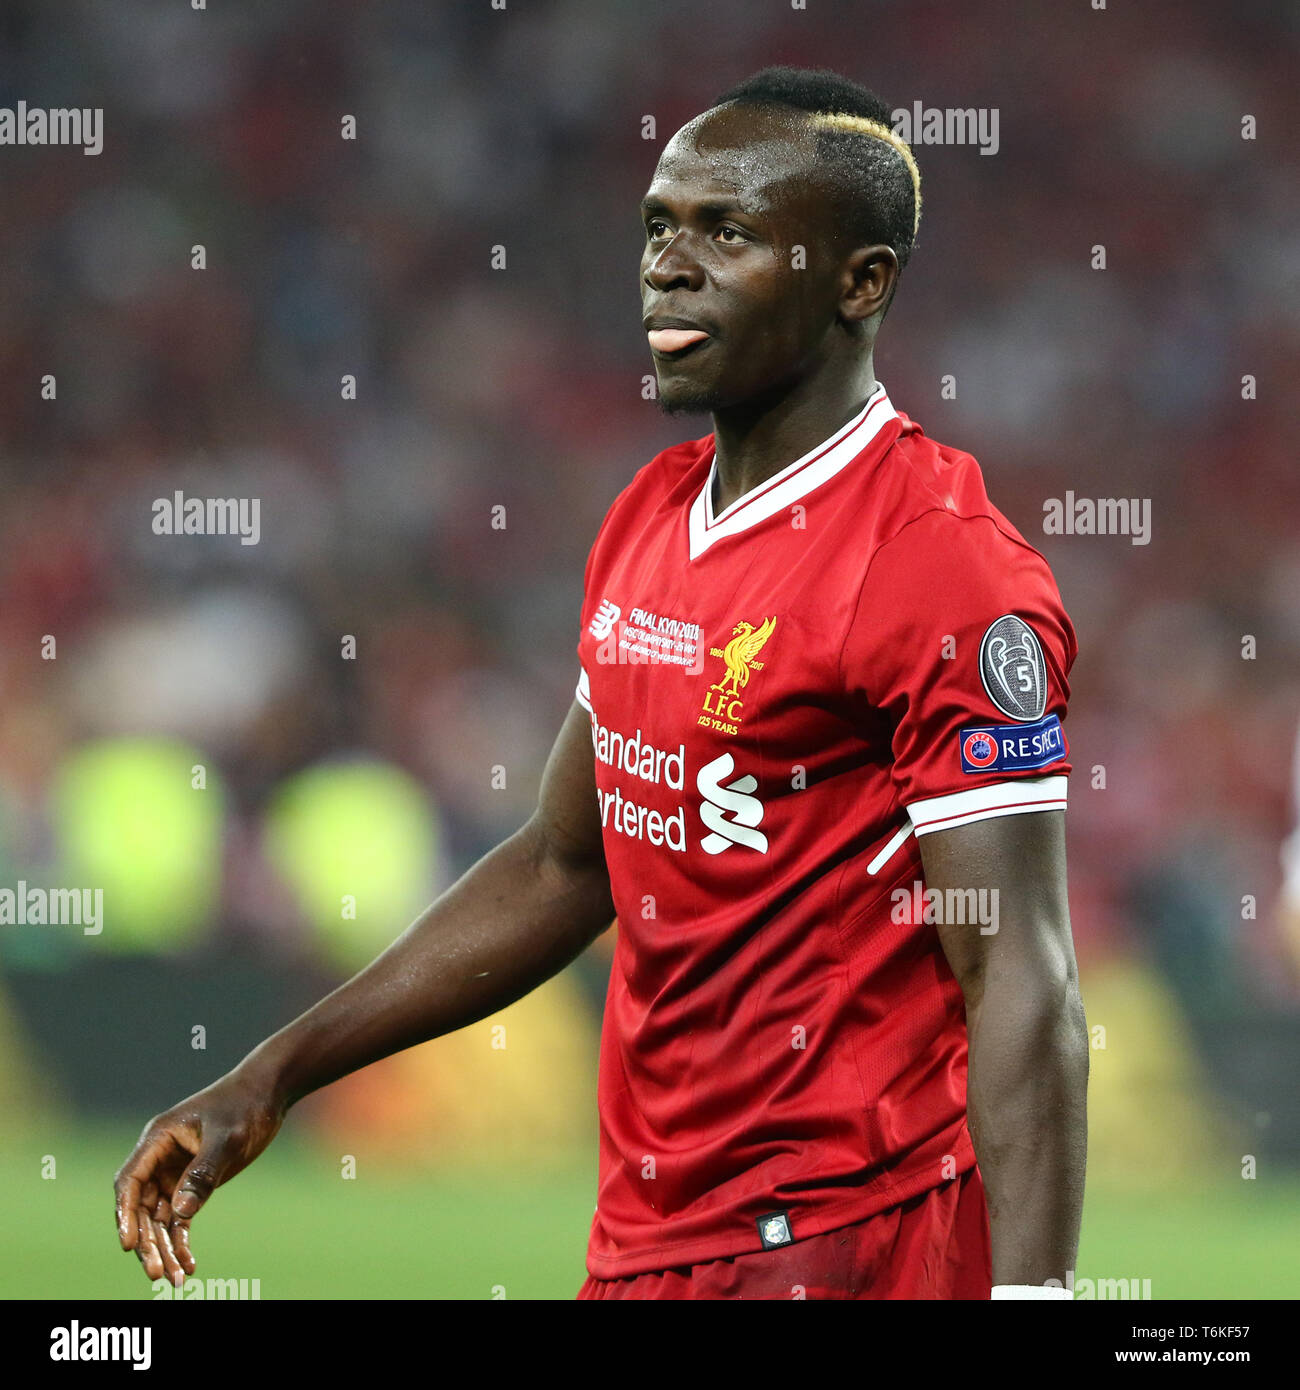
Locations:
723 707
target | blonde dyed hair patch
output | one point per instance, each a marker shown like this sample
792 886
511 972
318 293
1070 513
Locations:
876 130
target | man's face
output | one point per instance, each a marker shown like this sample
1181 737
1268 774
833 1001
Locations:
730 203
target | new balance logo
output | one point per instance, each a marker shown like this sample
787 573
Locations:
604 619
746 810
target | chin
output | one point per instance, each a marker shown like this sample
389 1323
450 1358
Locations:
687 401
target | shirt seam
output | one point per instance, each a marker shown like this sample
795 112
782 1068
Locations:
875 555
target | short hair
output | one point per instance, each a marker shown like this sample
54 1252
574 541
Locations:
872 174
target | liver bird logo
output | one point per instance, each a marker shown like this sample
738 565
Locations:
739 655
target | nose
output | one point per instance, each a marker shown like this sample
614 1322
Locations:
672 267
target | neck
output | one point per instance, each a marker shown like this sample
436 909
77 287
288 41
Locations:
755 440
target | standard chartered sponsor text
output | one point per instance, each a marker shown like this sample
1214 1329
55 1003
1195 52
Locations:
658 766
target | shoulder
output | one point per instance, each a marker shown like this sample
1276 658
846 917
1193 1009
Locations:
674 474
947 558
938 511
667 470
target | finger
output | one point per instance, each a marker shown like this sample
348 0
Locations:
181 1244
196 1185
150 1256
138 1169
172 1270
128 1198
176 1233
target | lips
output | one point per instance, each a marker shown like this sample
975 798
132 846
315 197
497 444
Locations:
670 340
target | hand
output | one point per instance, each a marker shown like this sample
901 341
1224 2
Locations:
182 1156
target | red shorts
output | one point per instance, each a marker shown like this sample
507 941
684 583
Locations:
935 1245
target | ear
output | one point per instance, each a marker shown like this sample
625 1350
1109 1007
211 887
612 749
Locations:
869 276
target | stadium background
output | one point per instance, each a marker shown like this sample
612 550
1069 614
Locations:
523 387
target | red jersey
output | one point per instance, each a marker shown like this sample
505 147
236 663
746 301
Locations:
783 697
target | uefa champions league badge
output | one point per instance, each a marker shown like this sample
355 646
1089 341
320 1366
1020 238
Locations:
1013 669
774 1229
1012 747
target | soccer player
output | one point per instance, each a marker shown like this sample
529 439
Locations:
816 769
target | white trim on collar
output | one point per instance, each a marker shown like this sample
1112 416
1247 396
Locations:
791 483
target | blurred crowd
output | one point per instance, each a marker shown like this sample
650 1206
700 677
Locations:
520 386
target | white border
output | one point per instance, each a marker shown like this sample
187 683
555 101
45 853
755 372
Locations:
583 690
987 803
794 481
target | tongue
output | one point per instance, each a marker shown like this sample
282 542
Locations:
673 339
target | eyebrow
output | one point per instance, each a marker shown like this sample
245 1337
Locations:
715 207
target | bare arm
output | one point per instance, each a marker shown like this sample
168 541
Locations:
519 916
1028 1075
513 920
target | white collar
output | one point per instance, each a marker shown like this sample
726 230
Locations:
791 483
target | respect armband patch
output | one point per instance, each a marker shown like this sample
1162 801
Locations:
1012 747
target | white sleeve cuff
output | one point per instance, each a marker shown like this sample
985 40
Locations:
985 803
1003 1291
583 690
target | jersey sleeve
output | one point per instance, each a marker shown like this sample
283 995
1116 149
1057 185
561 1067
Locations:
591 615
960 649
582 691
